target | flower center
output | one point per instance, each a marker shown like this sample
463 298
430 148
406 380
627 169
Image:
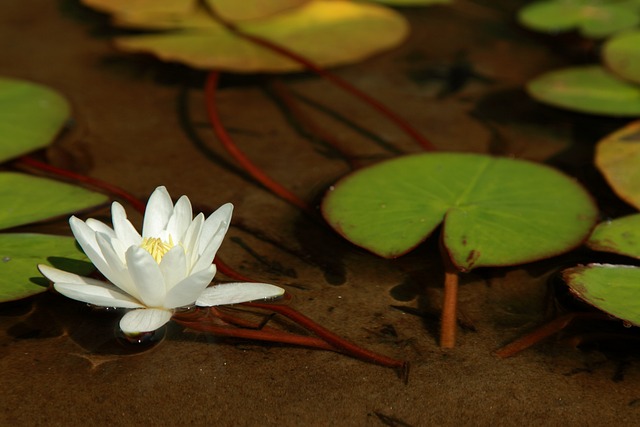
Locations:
156 247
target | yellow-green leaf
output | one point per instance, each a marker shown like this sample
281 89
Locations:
328 32
618 159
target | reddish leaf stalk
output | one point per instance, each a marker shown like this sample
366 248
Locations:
307 123
401 367
449 317
339 82
238 155
64 173
545 331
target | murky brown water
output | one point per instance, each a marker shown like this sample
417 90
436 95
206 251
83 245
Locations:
139 124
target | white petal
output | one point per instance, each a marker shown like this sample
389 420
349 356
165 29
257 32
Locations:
180 220
234 293
100 227
157 214
173 267
56 275
216 226
144 320
190 242
125 231
188 290
105 295
87 290
146 276
86 237
118 273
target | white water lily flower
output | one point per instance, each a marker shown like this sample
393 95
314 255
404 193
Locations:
169 266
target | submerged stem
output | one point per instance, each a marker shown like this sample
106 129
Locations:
449 310
449 317
238 155
339 82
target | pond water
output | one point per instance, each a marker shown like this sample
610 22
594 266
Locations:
138 123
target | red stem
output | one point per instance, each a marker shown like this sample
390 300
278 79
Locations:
119 192
338 342
238 155
343 84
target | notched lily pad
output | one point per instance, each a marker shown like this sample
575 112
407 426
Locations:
614 289
588 89
247 10
21 253
30 117
622 55
328 32
618 159
26 199
621 236
495 211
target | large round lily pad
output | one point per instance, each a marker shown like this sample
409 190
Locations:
621 236
21 253
622 55
614 289
328 32
618 159
25 199
588 89
496 211
30 117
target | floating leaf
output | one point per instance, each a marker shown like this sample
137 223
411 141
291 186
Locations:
618 159
167 7
30 117
620 236
246 10
588 89
496 211
21 253
25 199
622 55
595 19
328 32
614 289
411 2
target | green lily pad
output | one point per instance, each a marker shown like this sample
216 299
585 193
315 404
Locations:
620 236
25 199
614 289
588 89
167 7
21 253
400 3
247 10
621 54
30 117
618 159
594 19
496 211
328 32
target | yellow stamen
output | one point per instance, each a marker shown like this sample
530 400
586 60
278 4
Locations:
156 247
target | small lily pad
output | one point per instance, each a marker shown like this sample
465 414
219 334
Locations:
621 54
26 199
495 211
587 89
614 289
620 236
21 253
30 117
594 19
330 33
618 159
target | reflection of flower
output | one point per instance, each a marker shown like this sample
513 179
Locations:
169 266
